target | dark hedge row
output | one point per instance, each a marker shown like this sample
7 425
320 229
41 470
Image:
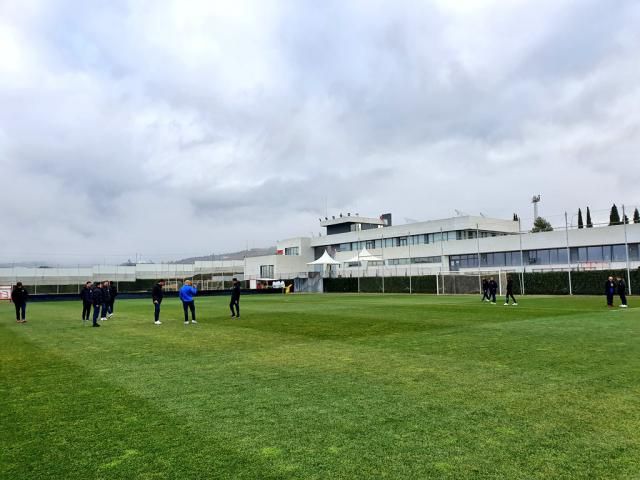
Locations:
422 284
538 283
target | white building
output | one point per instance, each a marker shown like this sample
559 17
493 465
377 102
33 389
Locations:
453 244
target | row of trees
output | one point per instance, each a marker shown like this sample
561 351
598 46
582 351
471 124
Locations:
542 225
614 216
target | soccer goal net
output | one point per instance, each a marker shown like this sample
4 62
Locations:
457 283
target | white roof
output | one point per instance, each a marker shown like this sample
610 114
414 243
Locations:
325 259
364 256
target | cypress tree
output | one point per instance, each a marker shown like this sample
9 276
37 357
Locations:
589 223
614 216
580 223
625 219
636 216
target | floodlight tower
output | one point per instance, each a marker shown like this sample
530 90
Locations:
535 200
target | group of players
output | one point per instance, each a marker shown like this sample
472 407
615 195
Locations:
490 288
101 297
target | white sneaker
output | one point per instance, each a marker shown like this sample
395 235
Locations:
193 321
493 303
158 322
515 304
186 323
103 319
507 304
623 306
110 315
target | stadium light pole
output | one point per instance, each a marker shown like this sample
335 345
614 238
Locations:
626 249
358 264
383 267
566 231
441 261
409 244
478 251
521 257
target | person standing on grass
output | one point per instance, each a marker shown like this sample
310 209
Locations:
86 295
19 297
485 290
97 298
106 300
187 292
493 288
622 291
510 291
235 299
113 293
610 290
157 295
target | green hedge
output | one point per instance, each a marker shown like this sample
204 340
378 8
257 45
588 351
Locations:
423 284
536 283
589 282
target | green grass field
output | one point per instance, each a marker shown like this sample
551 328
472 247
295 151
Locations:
323 387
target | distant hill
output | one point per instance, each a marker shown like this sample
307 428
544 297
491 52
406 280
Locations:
253 252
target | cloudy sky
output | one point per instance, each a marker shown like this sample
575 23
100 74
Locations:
179 128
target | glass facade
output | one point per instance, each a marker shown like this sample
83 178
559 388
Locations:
422 239
547 256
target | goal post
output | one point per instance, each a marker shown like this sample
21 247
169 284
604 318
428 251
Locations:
468 283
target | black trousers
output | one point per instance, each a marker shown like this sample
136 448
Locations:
485 294
510 294
110 306
492 293
186 306
623 298
97 310
235 302
21 310
86 310
610 299
156 311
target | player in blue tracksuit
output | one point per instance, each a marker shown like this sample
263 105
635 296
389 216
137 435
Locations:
187 292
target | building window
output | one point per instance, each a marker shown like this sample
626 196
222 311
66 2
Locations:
370 244
266 271
402 241
292 251
426 260
344 247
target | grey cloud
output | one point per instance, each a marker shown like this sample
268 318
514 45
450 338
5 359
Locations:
252 120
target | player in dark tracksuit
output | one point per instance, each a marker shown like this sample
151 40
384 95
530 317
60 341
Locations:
235 299
86 295
510 292
113 293
157 294
493 288
485 290
106 299
610 291
97 298
19 297
622 291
